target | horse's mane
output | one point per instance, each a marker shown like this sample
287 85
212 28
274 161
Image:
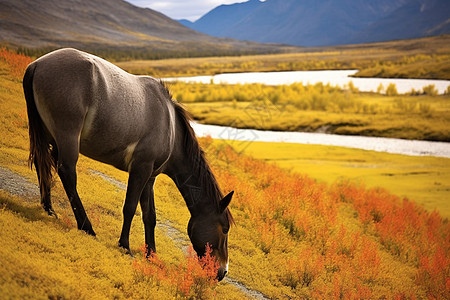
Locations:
202 171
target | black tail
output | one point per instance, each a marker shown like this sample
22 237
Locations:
40 150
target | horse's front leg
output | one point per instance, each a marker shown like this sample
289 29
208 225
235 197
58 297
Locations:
139 176
149 216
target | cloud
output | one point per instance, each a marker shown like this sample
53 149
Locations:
182 9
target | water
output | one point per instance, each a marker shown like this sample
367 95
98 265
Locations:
339 78
389 145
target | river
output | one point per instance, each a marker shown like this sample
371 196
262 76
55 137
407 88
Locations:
389 145
339 78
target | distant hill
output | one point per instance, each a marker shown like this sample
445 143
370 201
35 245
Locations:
327 22
107 25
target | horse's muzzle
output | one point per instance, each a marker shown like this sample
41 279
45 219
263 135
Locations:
221 273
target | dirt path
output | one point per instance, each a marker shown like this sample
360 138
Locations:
18 185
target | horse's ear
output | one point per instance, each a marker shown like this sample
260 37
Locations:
225 201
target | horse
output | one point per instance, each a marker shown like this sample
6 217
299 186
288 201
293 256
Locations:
81 103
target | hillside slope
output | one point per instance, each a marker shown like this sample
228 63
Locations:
295 237
104 24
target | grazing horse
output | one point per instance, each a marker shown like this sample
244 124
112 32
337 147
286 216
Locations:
80 103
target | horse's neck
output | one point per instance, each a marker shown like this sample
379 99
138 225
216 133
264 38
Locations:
189 170
189 187
199 189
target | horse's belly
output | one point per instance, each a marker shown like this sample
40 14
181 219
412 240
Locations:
115 157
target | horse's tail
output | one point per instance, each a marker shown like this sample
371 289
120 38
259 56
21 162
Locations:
40 150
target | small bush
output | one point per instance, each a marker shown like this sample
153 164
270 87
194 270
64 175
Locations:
391 90
430 90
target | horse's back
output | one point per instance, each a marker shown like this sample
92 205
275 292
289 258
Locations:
106 108
76 74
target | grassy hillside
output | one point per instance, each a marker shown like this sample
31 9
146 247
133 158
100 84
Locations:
110 27
295 237
44 257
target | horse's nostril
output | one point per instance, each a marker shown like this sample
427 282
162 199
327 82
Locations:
221 274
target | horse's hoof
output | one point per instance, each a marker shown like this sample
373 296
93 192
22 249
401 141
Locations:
51 212
89 231
126 249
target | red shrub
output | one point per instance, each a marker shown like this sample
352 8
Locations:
407 231
193 279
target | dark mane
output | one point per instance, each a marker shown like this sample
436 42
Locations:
202 171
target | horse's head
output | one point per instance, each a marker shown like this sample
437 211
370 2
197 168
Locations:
212 229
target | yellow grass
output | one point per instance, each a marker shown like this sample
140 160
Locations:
424 179
43 257
295 238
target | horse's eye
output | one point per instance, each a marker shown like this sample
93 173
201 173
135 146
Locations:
225 230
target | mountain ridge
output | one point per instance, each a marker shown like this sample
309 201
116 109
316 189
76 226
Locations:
330 22
218 26
425 13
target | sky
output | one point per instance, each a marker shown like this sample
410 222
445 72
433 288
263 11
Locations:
182 9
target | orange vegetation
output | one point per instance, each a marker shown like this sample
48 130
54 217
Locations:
17 63
196 278
338 241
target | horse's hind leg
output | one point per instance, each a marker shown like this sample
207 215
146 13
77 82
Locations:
45 188
68 157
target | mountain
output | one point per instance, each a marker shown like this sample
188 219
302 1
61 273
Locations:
418 18
106 25
219 21
186 23
327 22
